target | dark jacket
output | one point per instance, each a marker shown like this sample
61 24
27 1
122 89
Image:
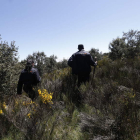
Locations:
28 79
81 62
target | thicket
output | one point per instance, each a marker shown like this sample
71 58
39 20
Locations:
8 67
106 108
126 47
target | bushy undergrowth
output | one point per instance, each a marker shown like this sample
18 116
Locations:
105 108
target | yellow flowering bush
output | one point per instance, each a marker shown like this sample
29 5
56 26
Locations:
45 96
1 112
29 115
3 105
29 103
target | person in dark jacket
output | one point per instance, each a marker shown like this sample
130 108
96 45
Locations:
81 63
29 77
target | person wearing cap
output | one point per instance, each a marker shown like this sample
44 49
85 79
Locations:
29 77
81 63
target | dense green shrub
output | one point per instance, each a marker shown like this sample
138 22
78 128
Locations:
126 47
8 67
95 53
43 63
105 108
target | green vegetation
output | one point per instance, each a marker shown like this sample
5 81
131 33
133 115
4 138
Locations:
106 108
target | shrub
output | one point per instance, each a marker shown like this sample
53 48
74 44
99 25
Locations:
8 70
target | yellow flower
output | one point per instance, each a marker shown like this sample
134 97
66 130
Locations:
23 102
1 112
29 115
4 104
134 95
45 96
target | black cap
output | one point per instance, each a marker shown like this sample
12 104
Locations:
80 46
30 61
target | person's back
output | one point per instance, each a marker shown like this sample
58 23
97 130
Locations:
29 77
81 63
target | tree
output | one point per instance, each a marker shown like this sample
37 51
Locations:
8 62
132 39
51 63
62 64
117 47
39 61
95 53
128 46
43 63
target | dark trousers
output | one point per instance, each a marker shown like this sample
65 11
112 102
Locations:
83 77
29 90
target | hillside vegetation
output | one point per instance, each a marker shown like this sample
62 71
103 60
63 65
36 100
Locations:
106 108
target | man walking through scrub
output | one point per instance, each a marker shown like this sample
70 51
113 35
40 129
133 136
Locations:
29 77
81 63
